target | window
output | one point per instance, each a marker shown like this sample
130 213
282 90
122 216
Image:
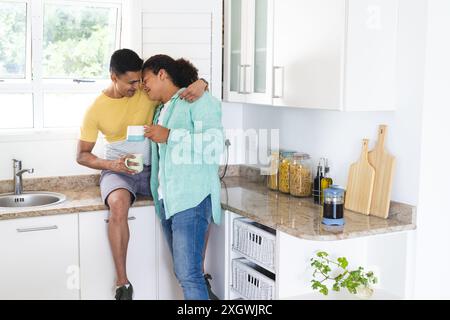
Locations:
78 41
13 34
54 59
17 111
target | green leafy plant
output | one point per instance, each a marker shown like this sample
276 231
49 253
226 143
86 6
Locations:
341 275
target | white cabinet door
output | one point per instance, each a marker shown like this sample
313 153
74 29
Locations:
216 259
98 275
308 53
141 264
320 54
217 256
371 60
235 50
168 286
39 258
248 51
97 271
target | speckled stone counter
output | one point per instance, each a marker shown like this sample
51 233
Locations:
301 218
82 194
243 192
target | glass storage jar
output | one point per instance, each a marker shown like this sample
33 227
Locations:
283 171
272 175
300 175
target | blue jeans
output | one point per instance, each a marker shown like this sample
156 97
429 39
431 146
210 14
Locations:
185 233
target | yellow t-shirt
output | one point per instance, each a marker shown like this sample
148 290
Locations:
112 116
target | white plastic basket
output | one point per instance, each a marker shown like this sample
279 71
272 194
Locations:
254 242
250 281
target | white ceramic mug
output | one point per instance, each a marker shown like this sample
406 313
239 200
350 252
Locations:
139 159
135 133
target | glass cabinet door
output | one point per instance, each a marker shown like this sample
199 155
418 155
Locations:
235 44
260 50
249 52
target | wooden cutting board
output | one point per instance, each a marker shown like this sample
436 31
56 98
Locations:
361 177
384 164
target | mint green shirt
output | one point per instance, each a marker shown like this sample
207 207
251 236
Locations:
189 161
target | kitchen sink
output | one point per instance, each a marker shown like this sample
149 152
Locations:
31 199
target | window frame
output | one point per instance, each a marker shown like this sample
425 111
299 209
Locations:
17 83
34 83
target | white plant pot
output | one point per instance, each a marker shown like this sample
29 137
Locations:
364 292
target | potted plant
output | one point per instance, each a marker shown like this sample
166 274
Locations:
355 281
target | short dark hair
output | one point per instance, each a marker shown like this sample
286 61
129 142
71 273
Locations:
124 60
181 71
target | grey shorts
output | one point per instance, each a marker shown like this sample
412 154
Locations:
135 184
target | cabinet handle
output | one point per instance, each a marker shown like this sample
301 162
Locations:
37 229
246 78
129 219
243 84
241 77
83 80
275 93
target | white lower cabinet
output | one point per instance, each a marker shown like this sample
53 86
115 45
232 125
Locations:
252 268
39 258
69 257
217 256
97 270
168 287
390 256
219 260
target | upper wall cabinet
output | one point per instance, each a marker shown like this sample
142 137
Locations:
321 54
248 51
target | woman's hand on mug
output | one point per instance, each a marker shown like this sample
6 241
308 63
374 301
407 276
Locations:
157 133
118 165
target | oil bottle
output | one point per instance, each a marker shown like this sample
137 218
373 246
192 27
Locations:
316 183
326 181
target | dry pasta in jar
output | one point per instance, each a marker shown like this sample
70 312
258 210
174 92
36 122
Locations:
283 172
300 175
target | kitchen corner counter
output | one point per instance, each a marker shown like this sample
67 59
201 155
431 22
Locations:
301 218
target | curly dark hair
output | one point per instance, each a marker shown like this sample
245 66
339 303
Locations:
181 71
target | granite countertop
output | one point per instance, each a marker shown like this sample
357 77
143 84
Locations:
301 218
82 195
242 192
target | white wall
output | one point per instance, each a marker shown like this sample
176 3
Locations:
49 153
433 237
338 135
194 31
232 120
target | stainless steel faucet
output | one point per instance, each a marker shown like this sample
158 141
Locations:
18 172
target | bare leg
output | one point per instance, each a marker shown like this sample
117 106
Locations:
119 202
